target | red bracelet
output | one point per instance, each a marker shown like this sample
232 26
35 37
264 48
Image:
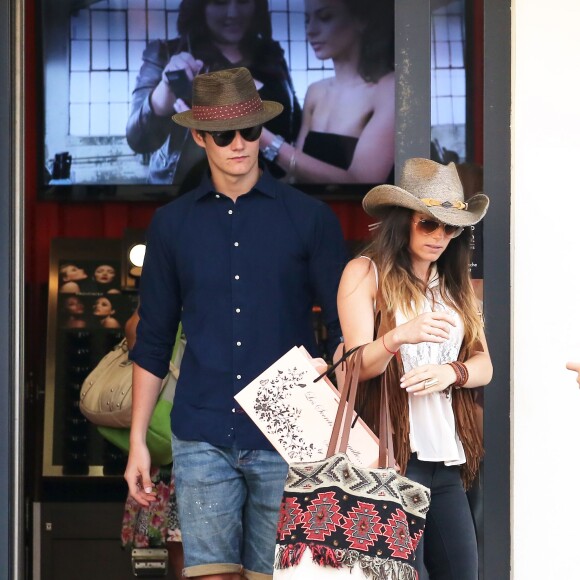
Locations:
387 348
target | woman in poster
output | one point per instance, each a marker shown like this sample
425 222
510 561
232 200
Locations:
105 312
73 312
74 279
348 125
212 35
105 276
409 297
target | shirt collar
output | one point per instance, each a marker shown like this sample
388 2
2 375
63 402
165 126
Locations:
266 185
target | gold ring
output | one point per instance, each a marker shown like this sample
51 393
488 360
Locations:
430 382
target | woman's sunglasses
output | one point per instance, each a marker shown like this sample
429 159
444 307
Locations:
430 226
224 138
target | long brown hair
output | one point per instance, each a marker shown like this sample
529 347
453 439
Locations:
401 289
377 57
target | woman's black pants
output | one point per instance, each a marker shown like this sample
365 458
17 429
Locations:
448 549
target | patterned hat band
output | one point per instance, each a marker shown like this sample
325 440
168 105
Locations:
223 112
226 100
430 202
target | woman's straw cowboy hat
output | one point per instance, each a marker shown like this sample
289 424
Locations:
226 100
429 188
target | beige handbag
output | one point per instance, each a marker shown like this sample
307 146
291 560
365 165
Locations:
106 394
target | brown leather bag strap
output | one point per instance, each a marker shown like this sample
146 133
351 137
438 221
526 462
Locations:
350 382
386 449
345 412
349 413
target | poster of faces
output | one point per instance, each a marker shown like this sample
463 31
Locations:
89 295
88 308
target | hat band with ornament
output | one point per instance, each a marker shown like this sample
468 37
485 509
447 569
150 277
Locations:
429 188
430 202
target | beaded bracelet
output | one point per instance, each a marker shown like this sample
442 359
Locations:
461 374
387 348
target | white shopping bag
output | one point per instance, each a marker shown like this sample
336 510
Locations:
296 414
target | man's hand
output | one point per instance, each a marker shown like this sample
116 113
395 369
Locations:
138 476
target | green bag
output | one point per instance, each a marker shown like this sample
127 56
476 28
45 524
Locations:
159 431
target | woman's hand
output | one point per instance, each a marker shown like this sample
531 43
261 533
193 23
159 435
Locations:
428 327
428 379
163 99
183 61
180 107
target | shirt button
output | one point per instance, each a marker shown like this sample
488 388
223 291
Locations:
230 211
236 244
237 277
233 410
238 377
217 195
239 343
238 310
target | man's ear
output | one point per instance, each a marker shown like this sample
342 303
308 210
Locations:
198 138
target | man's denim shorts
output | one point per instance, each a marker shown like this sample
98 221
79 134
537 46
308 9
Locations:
228 501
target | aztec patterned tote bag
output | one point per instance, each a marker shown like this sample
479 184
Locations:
338 519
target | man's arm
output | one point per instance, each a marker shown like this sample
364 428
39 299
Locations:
146 389
327 262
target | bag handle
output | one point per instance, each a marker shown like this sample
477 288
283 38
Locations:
343 422
386 428
345 411
341 360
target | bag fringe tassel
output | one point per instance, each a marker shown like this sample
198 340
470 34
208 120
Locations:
290 556
374 568
324 556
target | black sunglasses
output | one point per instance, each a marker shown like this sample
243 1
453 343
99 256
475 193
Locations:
429 226
224 138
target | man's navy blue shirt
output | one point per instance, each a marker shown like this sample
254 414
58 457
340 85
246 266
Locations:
242 277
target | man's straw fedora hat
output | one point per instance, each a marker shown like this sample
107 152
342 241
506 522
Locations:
429 188
225 100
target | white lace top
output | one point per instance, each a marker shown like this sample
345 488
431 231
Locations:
432 422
